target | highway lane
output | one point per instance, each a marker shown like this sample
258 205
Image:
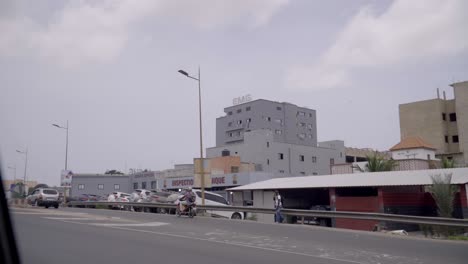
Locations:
75 235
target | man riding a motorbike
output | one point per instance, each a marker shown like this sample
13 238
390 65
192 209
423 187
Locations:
187 199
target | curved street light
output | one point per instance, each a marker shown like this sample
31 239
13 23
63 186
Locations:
202 169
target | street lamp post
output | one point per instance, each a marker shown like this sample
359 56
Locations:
25 167
66 160
66 144
202 169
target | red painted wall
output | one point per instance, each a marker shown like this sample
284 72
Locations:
357 204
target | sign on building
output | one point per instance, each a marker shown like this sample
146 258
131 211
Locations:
242 99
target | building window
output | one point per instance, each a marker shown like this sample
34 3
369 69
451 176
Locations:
230 134
332 161
446 139
428 156
280 156
301 113
302 173
116 186
80 186
300 124
234 169
100 186
249 120
314 159
314 173
278 108
239 110
143 185
301 136
153 185
301 157
239 122
341 154
135 185
238 133
310 136
453 117
278 132
444 116
309 126
268 119
247 108
268 144
311 115
230 124
281 171
455 139
279 121
268 161
230 113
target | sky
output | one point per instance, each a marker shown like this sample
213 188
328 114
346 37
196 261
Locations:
110 69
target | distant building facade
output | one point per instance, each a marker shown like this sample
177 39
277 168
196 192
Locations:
440 122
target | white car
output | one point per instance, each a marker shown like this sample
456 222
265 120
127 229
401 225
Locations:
218 200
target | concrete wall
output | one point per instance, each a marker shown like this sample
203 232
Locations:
283 119
424 119
91 184
259 148
461 107
413 154
264 199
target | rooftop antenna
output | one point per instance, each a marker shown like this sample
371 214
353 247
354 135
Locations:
445 98
438 94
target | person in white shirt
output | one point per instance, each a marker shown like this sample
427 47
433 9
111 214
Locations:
111 198
278 202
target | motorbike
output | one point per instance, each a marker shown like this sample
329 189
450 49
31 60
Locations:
190 210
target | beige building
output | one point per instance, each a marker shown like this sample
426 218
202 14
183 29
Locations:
440 122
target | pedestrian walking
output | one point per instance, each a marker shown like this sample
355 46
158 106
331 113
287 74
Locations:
278 202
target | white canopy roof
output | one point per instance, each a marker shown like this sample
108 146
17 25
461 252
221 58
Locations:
388 178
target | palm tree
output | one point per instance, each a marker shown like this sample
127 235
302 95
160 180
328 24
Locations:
444 194
377 162
448 163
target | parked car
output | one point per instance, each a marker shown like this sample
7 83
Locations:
44 197
216 199
161 196
136 195
319 220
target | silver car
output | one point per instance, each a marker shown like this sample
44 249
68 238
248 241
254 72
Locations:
44 197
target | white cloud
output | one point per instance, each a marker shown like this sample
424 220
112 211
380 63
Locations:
97 31
408 31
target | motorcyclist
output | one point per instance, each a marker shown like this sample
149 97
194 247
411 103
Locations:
187 199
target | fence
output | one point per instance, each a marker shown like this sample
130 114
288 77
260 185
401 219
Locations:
301 213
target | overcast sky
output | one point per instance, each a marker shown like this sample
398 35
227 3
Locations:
110 68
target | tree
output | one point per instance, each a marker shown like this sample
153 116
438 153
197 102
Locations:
377 162
448 163
443 193
114 172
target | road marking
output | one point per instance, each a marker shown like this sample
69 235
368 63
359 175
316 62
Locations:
135 225
74 218
235 244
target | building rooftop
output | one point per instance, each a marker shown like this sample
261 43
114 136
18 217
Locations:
387 178
412 143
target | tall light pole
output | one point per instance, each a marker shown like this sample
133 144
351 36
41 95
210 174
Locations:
14 171
25 167
66 144
66 160
202 169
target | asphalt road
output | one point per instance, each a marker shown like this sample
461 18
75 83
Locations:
73 235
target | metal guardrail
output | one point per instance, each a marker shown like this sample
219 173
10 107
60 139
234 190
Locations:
302 213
